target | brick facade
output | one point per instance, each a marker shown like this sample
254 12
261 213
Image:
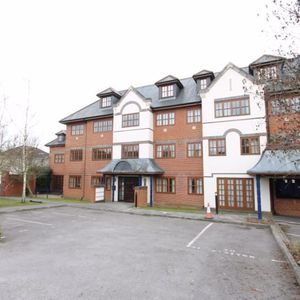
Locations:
181 167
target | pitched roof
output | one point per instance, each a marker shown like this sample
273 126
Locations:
55 143
202 74
266 58
109 92
169 79
187 95
226 68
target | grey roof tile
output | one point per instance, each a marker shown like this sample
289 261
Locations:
132 166
277 162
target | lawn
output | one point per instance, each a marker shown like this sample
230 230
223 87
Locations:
65 200
14 202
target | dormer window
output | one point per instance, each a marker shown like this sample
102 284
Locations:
61 138
167 91
203 84
106 101
267 73
169 87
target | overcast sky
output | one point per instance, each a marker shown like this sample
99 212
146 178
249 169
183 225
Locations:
67 51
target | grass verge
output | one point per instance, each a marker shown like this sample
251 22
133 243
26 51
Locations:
64 200
176 209
14 202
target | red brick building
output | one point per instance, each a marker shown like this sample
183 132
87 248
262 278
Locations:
152 136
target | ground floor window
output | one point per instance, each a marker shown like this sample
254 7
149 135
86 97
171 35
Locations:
195 185
236 193
165 185
97 181
74 182
287 188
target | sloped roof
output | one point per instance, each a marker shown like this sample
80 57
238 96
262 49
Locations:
132 166
55 143
187 95
226 68
169 79
266 58
277 162
61 132
202 74
109 92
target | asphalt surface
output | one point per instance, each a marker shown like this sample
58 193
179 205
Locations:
73 253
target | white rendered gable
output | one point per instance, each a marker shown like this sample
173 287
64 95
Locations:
133 102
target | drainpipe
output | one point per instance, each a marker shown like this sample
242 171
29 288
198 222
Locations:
113 188
84 162
259 213
151 191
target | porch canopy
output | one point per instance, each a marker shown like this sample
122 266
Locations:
141 166
277 163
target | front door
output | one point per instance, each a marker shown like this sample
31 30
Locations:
125 188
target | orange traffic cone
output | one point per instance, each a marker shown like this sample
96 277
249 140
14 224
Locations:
208 215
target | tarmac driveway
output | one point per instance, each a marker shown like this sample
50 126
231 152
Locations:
73 253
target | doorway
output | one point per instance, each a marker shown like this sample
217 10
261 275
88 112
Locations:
126 188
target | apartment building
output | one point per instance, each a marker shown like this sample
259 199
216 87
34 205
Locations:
183 139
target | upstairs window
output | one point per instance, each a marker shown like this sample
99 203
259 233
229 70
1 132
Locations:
165 119
59 158
193 116
76 155
287 105
130 151
233 107
61 138
165 151
217 147
194 150
102 126
203 84
250 145
106 101
131 120
167 91
267 73
102 153
77 129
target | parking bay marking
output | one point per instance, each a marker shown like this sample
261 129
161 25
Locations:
28 221
293 234
199 234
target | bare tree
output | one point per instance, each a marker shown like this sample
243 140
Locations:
282 93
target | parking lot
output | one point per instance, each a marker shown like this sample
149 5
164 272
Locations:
74 253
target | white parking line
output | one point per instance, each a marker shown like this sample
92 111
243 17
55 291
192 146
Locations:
200 233
279 261
293 234
28 221
62 214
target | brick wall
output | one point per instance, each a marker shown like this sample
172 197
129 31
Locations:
181 167
12 185
287 207
87 167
